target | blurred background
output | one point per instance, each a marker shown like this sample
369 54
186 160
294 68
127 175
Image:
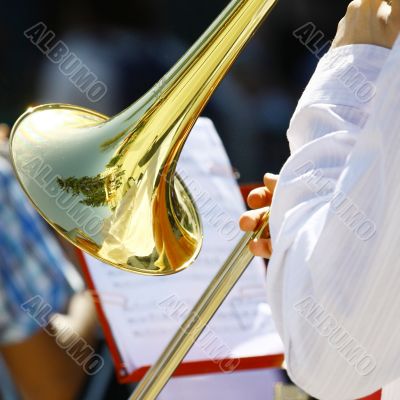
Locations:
130 45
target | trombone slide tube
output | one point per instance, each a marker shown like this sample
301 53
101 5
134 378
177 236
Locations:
233 268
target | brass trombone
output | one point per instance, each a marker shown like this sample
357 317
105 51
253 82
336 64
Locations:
115 194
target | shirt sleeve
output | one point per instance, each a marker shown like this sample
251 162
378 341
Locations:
36 280
333 280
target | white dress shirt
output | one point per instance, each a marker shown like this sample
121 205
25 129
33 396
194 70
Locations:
334 278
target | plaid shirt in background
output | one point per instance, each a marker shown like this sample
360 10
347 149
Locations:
31 261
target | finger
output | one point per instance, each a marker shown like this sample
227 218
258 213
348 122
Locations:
261 248
372 5
384 10
367 3
250 220
4 131
260 197
270 181
395 4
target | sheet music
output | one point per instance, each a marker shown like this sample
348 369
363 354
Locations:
254 385
144 312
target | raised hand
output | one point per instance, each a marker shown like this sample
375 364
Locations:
375 22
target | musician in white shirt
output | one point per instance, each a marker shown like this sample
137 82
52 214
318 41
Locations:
334 276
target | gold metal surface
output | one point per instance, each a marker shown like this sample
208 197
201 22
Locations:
109 185
187 334
289 392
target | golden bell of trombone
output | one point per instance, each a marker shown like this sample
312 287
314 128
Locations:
109 185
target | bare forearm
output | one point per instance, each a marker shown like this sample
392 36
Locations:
42 368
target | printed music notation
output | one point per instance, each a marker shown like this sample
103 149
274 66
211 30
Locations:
144 312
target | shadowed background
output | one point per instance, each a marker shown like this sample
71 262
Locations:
130 45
